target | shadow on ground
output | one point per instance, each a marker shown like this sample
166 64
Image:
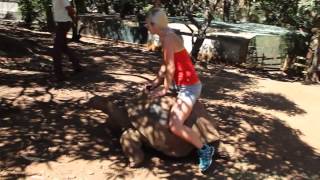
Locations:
41 120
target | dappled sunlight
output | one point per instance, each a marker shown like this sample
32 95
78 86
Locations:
272 101
57 127
220 85
258 141
42 122
50 131
265 142
232 88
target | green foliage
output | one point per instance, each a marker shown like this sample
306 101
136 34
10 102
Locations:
27 9
287 13
308 14
280 12
34 10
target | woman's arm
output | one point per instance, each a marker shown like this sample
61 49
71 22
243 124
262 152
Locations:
71 10
167 69
160 77
168 55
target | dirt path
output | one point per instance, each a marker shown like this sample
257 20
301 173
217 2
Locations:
47 131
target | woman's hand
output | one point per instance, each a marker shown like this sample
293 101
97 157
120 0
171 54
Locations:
148 87
158 92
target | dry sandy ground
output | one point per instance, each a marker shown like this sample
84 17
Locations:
269 124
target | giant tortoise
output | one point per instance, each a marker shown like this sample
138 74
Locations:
145 121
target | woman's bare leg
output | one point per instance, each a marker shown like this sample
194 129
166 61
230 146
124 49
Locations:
178 115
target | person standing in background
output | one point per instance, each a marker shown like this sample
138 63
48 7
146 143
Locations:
64 16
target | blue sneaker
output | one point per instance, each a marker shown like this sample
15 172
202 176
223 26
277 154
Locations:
205 157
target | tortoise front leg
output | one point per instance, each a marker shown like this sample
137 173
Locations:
131 143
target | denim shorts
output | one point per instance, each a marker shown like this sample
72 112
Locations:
189 94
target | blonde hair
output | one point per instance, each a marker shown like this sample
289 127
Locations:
158 17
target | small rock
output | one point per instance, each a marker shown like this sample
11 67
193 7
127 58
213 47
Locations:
68 137
37 177
230 118
53 149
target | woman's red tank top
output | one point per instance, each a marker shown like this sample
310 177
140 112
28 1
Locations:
185 73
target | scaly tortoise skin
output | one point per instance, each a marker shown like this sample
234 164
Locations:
145 121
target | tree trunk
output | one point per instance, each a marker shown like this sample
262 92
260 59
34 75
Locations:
313 58
49 17
202 28
196 48
29 14
75 33
288 62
